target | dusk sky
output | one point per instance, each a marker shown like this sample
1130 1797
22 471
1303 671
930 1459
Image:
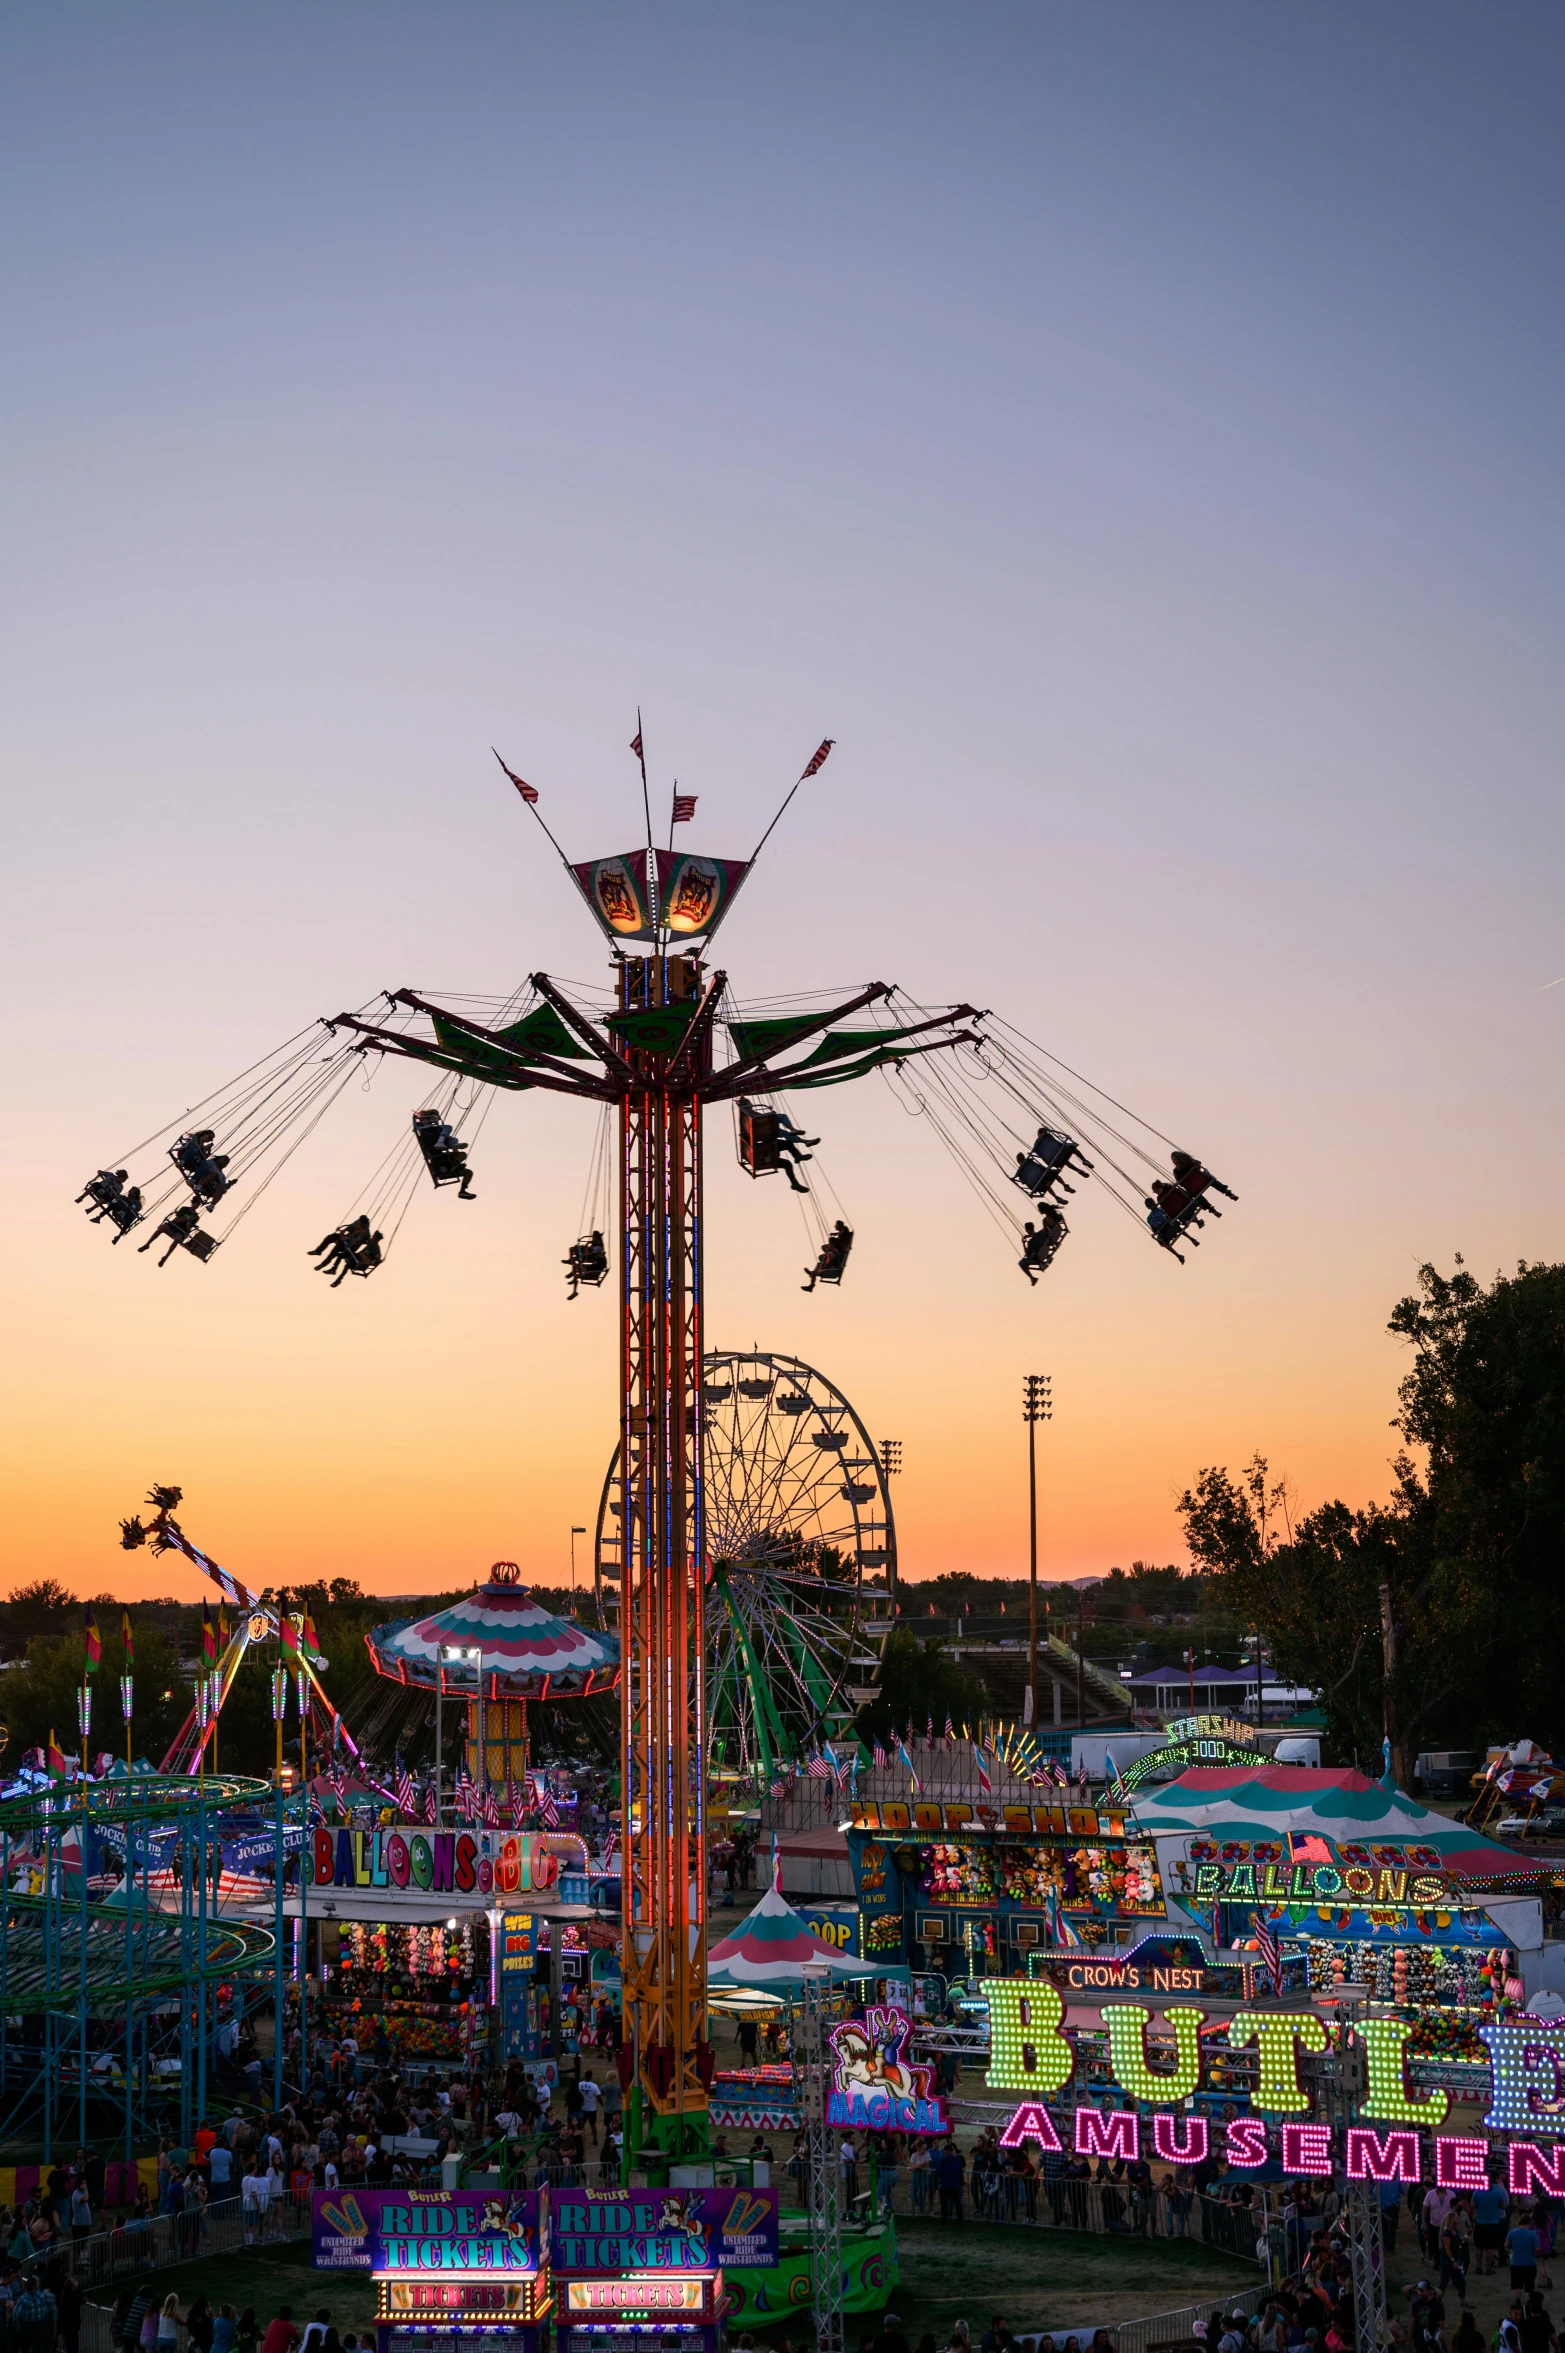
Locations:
1133 432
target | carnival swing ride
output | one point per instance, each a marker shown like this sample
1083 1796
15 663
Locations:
1027 1131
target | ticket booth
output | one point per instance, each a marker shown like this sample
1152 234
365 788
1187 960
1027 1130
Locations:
455 2271
642 2271
462 2315
653 2312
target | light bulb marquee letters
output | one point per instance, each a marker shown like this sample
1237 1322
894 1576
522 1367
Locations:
1306 2148
1115 2134
1389 2098
1027 2051
1526 2076
1280 2036
1387 2156
1032 2122
1461 2162
1181 2140
1031 2055
1127 2023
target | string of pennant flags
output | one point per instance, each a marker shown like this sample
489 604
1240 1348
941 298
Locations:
1010 1746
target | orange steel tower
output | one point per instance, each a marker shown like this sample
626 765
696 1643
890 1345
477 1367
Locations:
663 1710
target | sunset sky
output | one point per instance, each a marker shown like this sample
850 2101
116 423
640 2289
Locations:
1132 432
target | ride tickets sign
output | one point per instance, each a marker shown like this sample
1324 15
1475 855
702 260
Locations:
663 2230
449 2231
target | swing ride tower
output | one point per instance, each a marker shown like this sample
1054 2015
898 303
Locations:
663 1655
1023 1127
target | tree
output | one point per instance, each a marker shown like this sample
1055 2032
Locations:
1427 1619
919 1680
1314 1592
44 1607
1486 1401
40 1693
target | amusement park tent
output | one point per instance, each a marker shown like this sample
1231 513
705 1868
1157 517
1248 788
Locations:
527 1653
1229 1802
771 1950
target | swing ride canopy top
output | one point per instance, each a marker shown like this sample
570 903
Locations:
527 1653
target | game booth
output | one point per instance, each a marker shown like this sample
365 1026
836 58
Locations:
968 1888
509 2271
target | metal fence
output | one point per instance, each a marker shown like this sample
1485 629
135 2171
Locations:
913 2194
117 2258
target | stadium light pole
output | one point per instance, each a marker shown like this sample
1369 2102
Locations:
1037 1406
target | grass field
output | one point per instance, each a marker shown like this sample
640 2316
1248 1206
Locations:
1054 2279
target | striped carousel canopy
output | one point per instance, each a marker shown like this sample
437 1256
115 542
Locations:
771 1951
527 1652
1229 1804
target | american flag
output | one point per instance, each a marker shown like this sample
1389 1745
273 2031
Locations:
543 1799
491 1810
950 1729
1081 1776
881 1757
429 1803
518 1803
684 808
817 759
529 792
817 1769
635 743
1270 1950
406 1794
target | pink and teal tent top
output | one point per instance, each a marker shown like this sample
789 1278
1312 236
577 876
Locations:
1232 1802
527 1652
772 1950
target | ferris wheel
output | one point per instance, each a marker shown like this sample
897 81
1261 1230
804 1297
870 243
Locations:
800 1559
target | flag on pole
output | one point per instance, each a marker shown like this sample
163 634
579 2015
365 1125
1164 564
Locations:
94 1652
881 1757
902 1751
529 792
208 1636
984 1782
684 808
1270 1950
288 1634
635 745
817 759
817 1769
776 1866
406 1794
950 1732
130 1641
429 1803
491 1809
54 1758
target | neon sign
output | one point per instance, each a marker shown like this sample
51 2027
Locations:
1027 2051
1127 2023
875 2087
1321 1883
1385 2046
1526 2075
1281 2035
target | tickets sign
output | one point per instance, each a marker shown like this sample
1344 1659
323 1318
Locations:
447 2231
663 2230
